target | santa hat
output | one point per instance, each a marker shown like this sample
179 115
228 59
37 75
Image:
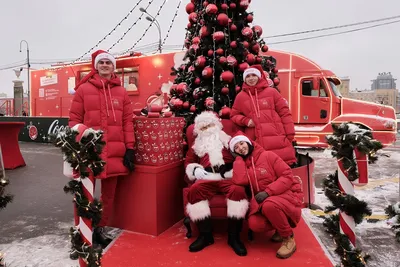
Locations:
237 139
251 70
206 118
103 55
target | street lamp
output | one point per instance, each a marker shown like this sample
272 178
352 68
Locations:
29 65
153 19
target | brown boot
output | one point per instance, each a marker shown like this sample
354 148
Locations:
276 238
287 248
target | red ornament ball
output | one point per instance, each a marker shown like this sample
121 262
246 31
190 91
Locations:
225 90
246 44
244 4
211 9
222 60
197 81
196 40
204 32
207 72
225 113
205 3
258 30
200 62
275 70
243 66
224 7
264 48
178 103
250 18
186 105
220 51
209 103
233 44
193 17
193 108
238 89
277 81
251 59
223 19
232 61
233 27
256 48
259 60
181 88
189 25
210 53
190 8
227 76
232 5
218 36
191 69
247 32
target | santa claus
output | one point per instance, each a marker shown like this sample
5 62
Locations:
209 164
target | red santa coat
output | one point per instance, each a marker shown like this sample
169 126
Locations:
274 126
104 104
192 160
265 171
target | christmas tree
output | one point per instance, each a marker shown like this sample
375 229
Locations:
221 43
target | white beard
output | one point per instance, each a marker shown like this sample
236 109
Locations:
212 142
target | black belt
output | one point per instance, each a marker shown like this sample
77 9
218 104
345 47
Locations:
220 169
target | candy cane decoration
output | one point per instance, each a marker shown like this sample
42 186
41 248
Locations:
346 222
85 224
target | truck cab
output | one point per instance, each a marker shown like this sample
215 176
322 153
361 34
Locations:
316 103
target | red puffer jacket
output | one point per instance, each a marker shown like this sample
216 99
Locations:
274 126
104 104
265 171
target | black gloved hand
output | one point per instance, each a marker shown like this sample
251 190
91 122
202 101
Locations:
260 197
128 159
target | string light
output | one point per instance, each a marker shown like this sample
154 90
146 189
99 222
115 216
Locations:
172 24
147 29
111 32
125 33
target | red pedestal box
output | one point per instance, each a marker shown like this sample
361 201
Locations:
305 175
149 200
159 141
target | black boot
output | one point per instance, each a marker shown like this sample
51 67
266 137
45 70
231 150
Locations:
234 229
100 237
205 235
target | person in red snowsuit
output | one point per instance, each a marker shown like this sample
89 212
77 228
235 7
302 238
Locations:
101 103
276 195
265 115
208 164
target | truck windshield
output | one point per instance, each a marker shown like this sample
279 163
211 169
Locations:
334 89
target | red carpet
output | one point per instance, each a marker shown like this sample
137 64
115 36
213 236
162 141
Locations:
171 249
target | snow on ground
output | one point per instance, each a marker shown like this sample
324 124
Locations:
376 239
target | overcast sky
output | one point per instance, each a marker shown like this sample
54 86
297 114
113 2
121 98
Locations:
67 29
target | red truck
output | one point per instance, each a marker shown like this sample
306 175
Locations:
310 91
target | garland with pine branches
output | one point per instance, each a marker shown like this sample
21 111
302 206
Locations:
345 139
393 212
84 158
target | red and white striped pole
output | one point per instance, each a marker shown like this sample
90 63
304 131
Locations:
346 222
85 224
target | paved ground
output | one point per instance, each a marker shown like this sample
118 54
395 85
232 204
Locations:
34 228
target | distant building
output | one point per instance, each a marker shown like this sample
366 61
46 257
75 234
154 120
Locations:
3 95
384 80
383 91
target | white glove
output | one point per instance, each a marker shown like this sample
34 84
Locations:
200 174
